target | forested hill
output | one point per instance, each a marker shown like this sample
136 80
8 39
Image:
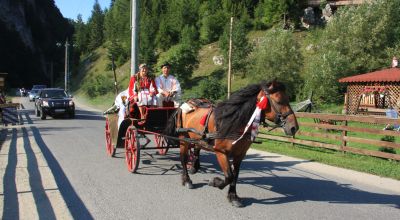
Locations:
306 48
29 31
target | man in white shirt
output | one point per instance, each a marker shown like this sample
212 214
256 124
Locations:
120 101
168 87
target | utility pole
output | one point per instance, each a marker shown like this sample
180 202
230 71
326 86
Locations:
230 58
51 74
134 37
66 64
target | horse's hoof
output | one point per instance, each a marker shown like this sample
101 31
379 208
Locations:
237 203
189 185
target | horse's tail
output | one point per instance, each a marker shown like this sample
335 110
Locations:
170 129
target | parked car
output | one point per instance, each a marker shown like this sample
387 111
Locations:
52 102
32 94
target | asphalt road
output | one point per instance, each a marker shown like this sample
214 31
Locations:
58 168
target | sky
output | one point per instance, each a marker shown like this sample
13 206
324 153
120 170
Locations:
71 8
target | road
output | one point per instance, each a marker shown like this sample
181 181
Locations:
58 168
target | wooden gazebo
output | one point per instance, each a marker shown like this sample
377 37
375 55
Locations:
372 93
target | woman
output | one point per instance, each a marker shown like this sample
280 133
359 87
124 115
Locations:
142 89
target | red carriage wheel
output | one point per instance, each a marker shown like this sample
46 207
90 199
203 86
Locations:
132 149
161 144
109 145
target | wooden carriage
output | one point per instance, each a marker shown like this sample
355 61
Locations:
372 93
133 132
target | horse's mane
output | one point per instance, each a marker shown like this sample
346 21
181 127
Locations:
233 114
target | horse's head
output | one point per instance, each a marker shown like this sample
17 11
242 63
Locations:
278 109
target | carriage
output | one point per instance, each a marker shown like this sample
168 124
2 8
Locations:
134 131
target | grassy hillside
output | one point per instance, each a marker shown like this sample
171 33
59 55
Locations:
93 66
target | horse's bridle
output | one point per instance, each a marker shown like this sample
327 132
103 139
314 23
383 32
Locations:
280 118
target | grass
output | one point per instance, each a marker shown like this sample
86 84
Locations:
93 65
372 165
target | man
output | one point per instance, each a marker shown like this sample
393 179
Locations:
120 102
168 87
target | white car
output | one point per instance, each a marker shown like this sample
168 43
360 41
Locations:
32 94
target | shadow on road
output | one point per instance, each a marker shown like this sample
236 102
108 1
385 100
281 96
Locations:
10 208
297 188
76 206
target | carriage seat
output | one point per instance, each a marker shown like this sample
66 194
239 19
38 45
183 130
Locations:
191 104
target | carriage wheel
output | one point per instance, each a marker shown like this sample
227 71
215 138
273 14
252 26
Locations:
161 144
132 149
109 145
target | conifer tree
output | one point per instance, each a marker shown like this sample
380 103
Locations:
96 26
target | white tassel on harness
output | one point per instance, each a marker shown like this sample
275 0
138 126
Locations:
254 121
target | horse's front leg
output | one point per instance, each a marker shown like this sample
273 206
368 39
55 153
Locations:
224 163
232 195
184 160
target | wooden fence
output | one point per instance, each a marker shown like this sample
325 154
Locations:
341 123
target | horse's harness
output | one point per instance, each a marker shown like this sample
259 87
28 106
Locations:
280 118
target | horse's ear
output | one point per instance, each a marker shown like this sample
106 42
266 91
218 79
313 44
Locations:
271 85
274 86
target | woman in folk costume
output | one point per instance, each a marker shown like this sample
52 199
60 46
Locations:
142 89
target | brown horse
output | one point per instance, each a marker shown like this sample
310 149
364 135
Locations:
216 129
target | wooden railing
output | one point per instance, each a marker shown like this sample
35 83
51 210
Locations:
341 123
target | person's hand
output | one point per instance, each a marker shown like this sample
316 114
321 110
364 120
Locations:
165 94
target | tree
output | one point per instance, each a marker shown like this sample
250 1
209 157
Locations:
358 40
96 26
278 57
212 21
241 48
183 60
81 37
270 12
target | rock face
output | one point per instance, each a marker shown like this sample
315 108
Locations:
308 18
29 30
218 60
327 13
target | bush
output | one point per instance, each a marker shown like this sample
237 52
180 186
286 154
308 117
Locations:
99 86
183 60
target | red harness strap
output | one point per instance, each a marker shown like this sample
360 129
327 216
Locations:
263 104
204 119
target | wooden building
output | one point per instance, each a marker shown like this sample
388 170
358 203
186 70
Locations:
372 93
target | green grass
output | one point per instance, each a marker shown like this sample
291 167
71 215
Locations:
377 166
372 165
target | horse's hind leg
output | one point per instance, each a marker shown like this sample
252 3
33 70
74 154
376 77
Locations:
196 161
226 168
184 159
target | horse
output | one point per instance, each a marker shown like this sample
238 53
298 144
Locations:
222 129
